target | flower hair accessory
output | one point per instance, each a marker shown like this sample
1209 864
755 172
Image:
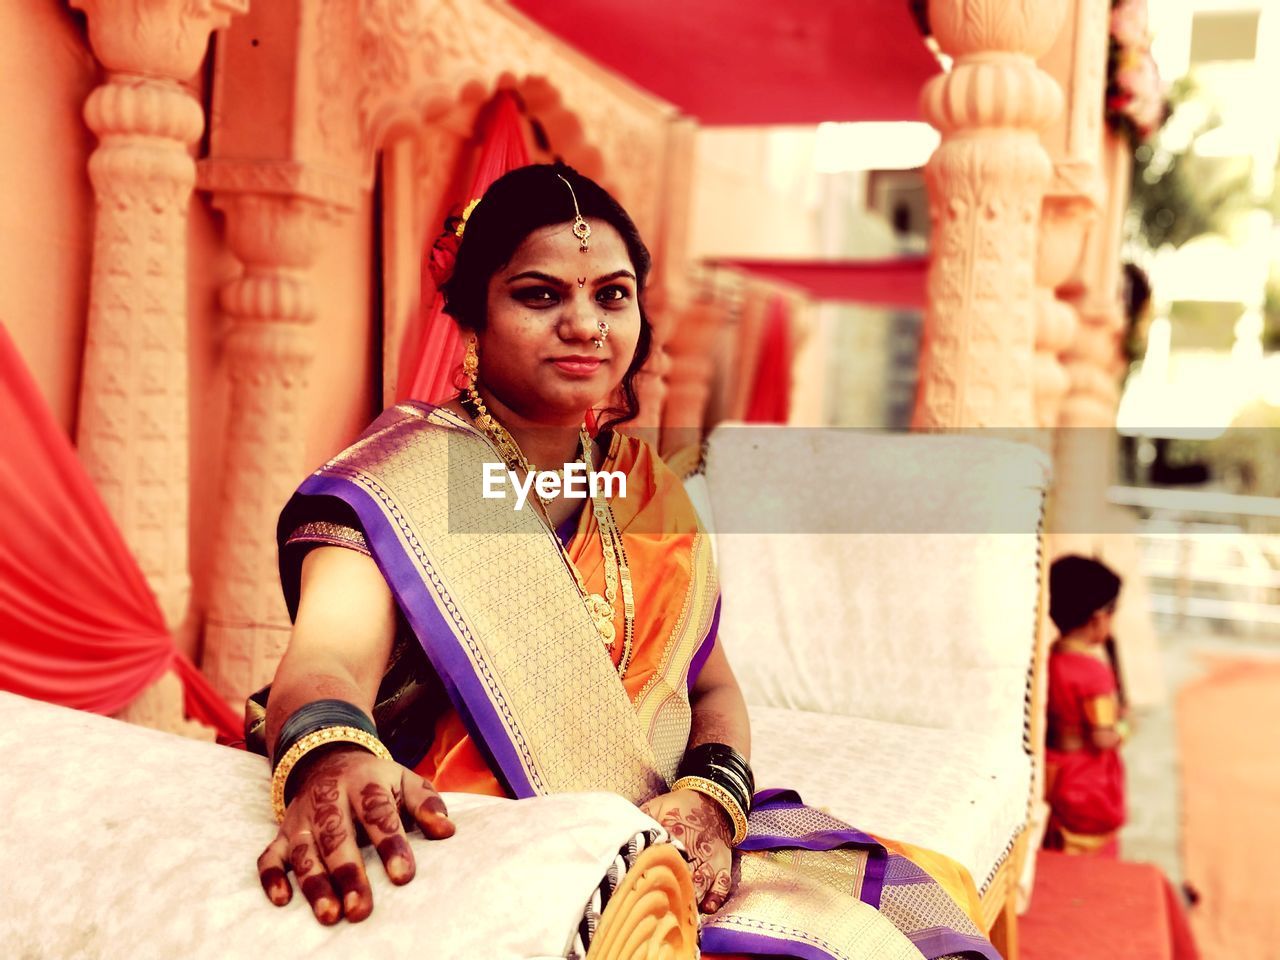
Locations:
444 252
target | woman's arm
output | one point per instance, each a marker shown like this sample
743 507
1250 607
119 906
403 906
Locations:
338 650
341 638
719 711
705 828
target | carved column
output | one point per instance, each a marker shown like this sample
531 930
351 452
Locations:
987 182
1095 366
1078 62
689 379
667 298
133 419
273 229
132 432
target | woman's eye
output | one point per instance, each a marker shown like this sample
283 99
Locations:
536 296
613 294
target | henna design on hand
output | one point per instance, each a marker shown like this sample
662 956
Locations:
327 814
701 828
380 808
302 864
273 883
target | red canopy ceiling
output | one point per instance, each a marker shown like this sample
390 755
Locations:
730 62
886 283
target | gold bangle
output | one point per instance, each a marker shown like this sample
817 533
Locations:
721 796
313 741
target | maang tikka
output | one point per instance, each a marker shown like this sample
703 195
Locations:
581 229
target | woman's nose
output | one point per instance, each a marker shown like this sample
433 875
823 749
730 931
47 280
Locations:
577 319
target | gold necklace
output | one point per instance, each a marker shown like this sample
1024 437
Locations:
617 570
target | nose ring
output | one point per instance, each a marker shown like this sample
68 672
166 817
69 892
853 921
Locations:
603 327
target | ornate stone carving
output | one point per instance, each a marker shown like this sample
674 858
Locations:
1077 61
165 38
133 423
368 72
268 356
691 371
160 707
379 64
986 182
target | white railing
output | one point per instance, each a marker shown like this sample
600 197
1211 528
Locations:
1209 555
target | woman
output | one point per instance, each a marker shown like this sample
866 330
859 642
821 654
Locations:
487 639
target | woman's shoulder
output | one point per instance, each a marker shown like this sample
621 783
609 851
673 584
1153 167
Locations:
395 428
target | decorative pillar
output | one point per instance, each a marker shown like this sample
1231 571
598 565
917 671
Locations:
689 380
1078 62
273 229
667 297
987 182
1095 366
132 432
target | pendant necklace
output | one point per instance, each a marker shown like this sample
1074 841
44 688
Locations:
617 570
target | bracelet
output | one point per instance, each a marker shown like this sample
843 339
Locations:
313 741
724 766
317 715
721 796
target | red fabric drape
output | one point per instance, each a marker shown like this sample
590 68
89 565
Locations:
79 625
432 349
771 390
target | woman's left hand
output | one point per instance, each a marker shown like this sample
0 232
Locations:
704 828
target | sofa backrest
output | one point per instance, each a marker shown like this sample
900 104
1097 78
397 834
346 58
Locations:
889 577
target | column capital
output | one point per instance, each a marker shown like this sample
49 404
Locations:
166 38
978 27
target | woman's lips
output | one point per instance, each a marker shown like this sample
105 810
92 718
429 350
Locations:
578 366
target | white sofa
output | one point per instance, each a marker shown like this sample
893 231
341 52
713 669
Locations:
881 600
122 842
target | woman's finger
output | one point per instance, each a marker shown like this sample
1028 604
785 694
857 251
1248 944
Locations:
378 809
336 839
719 891
271 871
426 807
304 857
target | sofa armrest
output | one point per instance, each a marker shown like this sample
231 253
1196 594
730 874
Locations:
138 843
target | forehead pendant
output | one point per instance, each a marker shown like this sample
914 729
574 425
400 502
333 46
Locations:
581 229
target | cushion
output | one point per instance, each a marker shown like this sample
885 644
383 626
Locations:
887 577
121 841
960 793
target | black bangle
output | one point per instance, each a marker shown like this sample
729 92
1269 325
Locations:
723 755
315 716
724 766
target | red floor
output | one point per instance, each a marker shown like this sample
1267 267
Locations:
1086 908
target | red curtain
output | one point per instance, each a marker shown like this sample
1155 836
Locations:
79 625
432 348
771 390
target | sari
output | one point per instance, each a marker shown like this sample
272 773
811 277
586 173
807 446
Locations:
535 703
1084 786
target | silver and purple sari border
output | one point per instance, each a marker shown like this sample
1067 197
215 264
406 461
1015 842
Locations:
463 683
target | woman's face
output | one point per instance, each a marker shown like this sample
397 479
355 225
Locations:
537 351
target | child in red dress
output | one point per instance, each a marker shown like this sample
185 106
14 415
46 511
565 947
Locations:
1084 776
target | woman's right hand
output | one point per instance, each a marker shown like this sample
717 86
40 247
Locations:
342 787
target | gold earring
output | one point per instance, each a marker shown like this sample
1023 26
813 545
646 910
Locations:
471 362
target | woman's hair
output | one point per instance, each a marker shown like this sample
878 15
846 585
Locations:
515 205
